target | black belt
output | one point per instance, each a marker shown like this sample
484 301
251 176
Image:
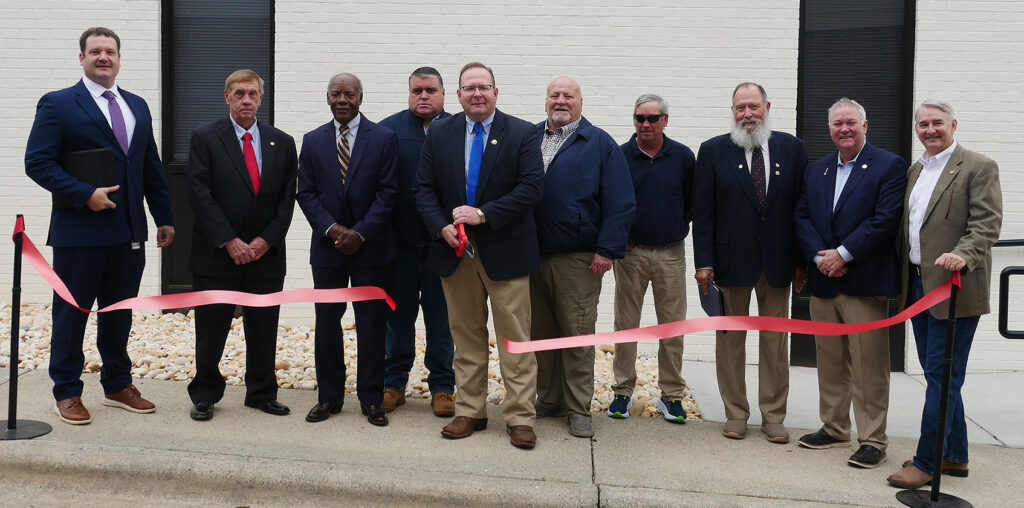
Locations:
650 246
915 269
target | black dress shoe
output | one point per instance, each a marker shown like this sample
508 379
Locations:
272 407
374 414
323 410
867 457
201 411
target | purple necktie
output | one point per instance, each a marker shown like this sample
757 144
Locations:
117 120
757 173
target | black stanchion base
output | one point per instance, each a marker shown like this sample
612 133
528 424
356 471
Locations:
923 499
24 429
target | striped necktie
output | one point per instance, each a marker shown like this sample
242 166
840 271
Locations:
343 152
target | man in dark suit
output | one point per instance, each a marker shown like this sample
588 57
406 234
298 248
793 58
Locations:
847 223
97 243
242 190
483 169
412 285
347 185
746 186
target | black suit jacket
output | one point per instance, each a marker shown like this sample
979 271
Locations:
730 232
510 184
225 206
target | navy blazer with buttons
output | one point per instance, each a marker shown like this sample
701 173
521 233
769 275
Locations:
510 185
364 202
588 202
730 232
866 221
69 120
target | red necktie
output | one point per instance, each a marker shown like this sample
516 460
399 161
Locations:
250 162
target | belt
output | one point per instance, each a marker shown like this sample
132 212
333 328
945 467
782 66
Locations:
915 269
652 246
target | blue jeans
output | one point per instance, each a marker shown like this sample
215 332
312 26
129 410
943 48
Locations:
412 287
930 335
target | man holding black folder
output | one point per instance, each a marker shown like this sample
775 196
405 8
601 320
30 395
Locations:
92 147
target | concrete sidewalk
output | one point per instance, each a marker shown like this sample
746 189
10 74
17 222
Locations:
246 458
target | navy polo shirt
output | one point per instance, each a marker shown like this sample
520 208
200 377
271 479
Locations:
663 186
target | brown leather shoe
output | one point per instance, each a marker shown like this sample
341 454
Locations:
129 399
392 399
521 436
909 477
463 426
443 404
948 468
71 410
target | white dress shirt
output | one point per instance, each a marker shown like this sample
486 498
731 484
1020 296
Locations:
931 170
96 91
749 153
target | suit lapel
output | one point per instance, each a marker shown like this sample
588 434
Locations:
88 104
492 145
362 140
776 168
949 173
326 143
738 167
234 151
268 147
458 151
828 186
134 104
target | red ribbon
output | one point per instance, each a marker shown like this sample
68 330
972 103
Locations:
772 324
194 298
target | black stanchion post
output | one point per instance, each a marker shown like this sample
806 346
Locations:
935 498
15 428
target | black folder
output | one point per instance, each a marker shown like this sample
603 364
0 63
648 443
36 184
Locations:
713 303
95 167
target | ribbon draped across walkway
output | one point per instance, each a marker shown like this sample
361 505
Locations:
194 298
771 324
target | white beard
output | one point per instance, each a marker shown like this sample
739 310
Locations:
755 137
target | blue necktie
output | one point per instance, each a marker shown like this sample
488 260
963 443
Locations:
476 154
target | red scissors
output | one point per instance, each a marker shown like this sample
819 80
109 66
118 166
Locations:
464 246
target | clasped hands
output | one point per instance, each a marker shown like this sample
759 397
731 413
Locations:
832 263
242 253
346 240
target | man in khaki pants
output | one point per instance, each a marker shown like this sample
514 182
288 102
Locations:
662 173
847 223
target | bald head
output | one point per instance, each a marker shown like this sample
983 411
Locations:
564 103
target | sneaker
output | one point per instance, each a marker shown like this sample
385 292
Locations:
129 399
443 404
867 457
672 410
392 399
71 410
775 433
735 429
620 406
821 440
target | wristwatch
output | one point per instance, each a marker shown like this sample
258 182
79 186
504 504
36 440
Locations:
481 214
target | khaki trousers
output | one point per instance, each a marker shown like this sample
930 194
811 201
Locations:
853 367
466 292
563 299
773 355
664 268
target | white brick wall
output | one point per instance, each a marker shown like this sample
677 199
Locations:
691 53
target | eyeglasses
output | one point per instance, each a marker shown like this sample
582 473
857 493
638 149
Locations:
648 118
476 88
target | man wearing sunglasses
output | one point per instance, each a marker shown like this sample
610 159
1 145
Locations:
481 169
582 225
662 174
746 186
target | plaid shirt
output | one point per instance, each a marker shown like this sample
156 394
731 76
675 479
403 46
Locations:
553 140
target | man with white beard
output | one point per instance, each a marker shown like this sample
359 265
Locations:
746 186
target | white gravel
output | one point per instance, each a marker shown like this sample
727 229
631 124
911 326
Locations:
162 346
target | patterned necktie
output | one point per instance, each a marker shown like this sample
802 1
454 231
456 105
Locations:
117 120
757 173
250 162
343 153
476 154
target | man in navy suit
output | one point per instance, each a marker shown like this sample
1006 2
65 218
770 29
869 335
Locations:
482 170
242 190
412 285
746 186
348 180
97 244
847 223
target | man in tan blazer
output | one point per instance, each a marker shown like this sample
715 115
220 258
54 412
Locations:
953 215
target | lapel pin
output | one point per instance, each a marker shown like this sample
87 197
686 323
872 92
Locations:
952 171
776 173
272 143
863 166
741 166
494 141
826 171
776 164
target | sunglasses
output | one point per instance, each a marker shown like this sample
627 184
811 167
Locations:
648 118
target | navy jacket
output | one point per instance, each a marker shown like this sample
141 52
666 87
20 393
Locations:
664 192
866 221
69 120
588 202
511 180
409 128
730 233
363 203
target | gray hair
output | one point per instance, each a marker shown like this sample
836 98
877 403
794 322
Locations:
847 102
359 83
939 105
650 97
764 95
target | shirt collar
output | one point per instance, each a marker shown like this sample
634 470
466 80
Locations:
486 123
566 129
353 124
839 157
240 131
96 89
941 158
